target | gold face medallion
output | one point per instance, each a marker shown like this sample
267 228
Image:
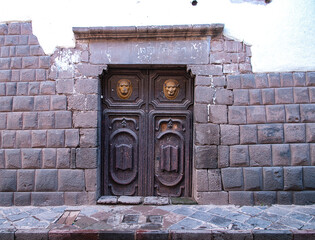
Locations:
171 89
124 88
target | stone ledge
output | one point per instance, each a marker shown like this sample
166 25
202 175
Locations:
199 30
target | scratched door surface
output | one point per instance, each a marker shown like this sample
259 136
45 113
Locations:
147 128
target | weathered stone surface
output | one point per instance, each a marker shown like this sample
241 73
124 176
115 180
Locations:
71 180
270 133
300 154
229 134
260 155
281 154
130 200
31 158
253 178
85 119
86 157
223 156
232 178
207 134
237 115
304 197
292 113
248 134
273 178
107 200
25 180
293 179
201 113
241 97
214 178
206 156
63 157
233 82
88 137
49 157
275 113
13 158
294 133
55 138
217 198
307 112
309 177
256 114
90 179
22 199
202 182
7 180
218 113
47 198
268 96
241 198
117 53
265 197
204 94
155 201
239 156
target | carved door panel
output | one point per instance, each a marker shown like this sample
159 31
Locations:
147 121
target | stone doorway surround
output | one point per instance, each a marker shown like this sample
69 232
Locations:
163 46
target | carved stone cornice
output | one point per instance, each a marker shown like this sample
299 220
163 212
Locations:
167 31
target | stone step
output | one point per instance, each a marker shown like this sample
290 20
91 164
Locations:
150 200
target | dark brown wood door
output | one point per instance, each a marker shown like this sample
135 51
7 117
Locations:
147 128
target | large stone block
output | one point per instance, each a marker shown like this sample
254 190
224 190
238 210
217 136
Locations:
65 86
55 138
85 119
275 113
223 156
293 179
239 156
248 134
232 179
63 119
281 154
265 197
256 114
237 115
214 178
46 120
41 103
201 113
72 138
202 184
23 139
310 132
206 157
270 133
294 133
88 137
23 103
31 158
241 198
261 80
63 157
58 102
86 157
49 157
255 97
304 197
90 179
309 177
253 178
284 197
46 180
310 79
14 120
71 180
6 200
260 155
22 199
273 178
224 97
76 198
217 113
47 198
268 96
292 113
301 95
248 81
217 198
204 94
274 80
207 134
233 81
87 86
13 158
7 180
299 79
284 95
25 180
30 120
8 139
230 134
300 154
241 97
39 138
307 112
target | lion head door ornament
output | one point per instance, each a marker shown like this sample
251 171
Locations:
171 89
124 88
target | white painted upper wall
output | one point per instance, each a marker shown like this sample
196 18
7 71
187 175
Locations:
282 33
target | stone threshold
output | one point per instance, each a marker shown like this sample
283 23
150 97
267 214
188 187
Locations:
137 200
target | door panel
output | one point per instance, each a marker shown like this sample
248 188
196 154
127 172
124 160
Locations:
147 121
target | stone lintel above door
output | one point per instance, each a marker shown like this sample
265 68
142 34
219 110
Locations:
181 44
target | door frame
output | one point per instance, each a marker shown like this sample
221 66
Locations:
104 164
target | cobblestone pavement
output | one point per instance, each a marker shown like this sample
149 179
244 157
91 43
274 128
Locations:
169 217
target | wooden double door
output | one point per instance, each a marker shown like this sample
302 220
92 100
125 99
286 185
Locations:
147 132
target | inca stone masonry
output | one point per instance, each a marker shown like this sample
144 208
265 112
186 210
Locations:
222 135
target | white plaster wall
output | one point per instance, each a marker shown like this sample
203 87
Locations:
282 33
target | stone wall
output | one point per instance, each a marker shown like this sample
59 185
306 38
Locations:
254 134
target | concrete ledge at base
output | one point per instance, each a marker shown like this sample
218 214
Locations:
57 234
